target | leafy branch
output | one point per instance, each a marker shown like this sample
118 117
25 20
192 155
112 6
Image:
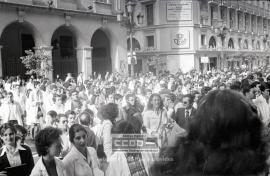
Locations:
36 63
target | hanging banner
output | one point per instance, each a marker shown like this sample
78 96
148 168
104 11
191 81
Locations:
205 59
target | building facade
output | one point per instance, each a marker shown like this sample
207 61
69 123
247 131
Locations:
80 36
201 34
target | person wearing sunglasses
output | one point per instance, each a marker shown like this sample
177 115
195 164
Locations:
184 114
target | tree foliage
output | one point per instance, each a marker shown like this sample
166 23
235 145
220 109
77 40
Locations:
36 63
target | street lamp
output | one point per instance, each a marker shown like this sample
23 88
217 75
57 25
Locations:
221 32
130 10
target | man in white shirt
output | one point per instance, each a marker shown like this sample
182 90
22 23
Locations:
11 111
262 103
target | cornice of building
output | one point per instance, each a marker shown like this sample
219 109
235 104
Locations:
53 10
171 52
153 27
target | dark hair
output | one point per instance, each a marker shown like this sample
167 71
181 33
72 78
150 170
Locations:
263 86
70 112
236 86
88 117
21 129
130 126
117 96
6 126
222 139
109 111
149 103
129 95
190 97
74 129
36 83
45 138
268 78
52 113
259 74
171 96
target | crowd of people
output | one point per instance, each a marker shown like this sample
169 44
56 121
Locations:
214 123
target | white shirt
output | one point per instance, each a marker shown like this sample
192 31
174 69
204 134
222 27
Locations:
14 159
40 169
264 108
78 165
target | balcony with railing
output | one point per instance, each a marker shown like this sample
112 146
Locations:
96 6
216 2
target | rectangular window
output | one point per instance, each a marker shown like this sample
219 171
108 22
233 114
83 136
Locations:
202 40
239 20
150 41
212 14
150 14
246 22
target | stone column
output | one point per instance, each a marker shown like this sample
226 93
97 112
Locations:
84 60
47 50
1 65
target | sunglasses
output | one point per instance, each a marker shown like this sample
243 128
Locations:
185 102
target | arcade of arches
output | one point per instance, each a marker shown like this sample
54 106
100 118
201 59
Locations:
101 59
18 37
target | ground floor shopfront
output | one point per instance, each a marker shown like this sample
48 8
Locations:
75 42
230 60
202 61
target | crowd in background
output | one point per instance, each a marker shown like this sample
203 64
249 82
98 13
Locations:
223 118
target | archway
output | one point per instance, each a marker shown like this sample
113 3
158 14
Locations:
63 53
15 39
212 42
101 54
230 44
135 47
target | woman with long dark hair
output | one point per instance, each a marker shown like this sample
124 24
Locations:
154 117
224 138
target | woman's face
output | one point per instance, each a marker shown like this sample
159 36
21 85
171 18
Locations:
71 119
56 148
8 137
156 102
58 101
79 140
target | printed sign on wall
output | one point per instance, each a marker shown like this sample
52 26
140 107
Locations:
180 39
179 10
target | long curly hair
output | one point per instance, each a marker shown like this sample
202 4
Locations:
224 138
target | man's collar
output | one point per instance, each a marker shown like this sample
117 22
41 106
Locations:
4 149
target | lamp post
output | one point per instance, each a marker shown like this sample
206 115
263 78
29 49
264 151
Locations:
221 32
130 11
